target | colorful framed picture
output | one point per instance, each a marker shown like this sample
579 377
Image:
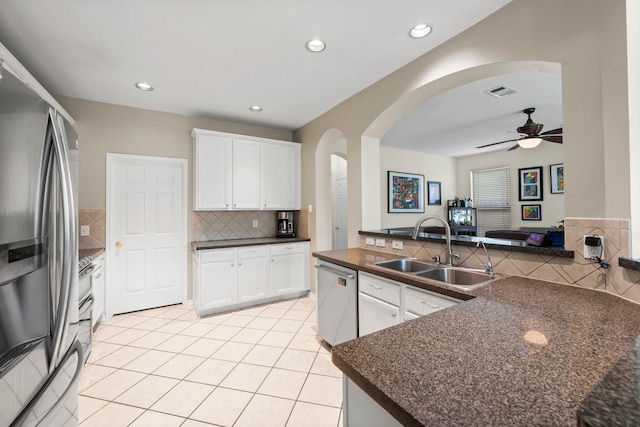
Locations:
530 180
406 192
531 213
557 178
433 190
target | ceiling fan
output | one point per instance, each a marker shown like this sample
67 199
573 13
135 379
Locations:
530 136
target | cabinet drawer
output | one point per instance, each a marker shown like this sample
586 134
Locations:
252 252
379 288
288 248
216 255
422 302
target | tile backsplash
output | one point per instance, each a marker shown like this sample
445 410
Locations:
223 225
577 271
96 220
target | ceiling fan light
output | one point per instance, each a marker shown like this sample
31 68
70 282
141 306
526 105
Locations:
529 142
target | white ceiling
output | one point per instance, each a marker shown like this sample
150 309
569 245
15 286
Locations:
215 58
456 122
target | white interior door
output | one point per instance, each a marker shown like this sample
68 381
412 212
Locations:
146 232
340 235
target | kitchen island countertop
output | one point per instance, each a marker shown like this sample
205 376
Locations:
517 352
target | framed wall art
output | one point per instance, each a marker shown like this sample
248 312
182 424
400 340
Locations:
406 192
531 213
433 190
557 178
530 183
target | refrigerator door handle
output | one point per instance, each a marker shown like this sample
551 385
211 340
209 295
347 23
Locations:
71 388
68 236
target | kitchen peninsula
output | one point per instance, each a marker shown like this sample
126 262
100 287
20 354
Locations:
517 351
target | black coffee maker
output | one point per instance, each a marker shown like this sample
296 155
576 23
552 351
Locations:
285 225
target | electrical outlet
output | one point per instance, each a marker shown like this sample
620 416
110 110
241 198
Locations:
85 230
397 244
255 223
380 243
593 247
369 241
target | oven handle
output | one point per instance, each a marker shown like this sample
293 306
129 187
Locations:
87 301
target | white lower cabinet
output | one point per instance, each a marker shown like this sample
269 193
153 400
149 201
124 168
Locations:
253 273
217 278
382 301
289 268
361 410
378 303
98 289
227 279
375 314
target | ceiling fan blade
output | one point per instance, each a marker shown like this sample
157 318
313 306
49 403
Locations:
554 132
514 147
501 142
556 139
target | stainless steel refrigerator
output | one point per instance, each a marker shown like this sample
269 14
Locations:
40 357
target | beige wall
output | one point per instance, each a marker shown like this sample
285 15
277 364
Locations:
552 205
107 128
434 168
568 33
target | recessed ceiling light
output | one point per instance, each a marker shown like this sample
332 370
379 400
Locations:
420 30
255 108
315 45
144 86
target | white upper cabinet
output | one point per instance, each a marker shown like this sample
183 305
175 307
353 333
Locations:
212 157
244 173
281 181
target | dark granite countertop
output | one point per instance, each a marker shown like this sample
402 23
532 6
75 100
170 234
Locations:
630 263
93 252
517 352
220 244
404 233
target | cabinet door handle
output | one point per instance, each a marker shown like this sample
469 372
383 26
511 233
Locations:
375 287
393 314
430 305
239 263
232 265
98 276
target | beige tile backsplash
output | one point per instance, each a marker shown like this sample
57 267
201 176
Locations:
577 271
96 219
224 225
209 225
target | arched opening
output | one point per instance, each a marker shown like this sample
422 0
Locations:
332 143
373 189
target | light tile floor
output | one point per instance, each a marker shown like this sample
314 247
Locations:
261 366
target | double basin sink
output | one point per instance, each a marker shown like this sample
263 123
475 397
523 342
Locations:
454 276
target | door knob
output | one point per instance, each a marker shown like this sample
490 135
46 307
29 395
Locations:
118 244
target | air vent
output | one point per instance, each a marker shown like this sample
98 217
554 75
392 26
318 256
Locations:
501 91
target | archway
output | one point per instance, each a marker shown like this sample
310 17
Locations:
332 142
370 140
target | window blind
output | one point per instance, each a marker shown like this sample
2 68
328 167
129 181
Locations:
491 189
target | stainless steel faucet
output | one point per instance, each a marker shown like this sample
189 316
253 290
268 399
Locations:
488 267
416 230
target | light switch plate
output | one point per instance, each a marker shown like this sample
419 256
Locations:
85 230
255 223
397 244
380 243
369 241
593 251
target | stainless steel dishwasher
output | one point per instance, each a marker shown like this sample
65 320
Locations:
337 295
